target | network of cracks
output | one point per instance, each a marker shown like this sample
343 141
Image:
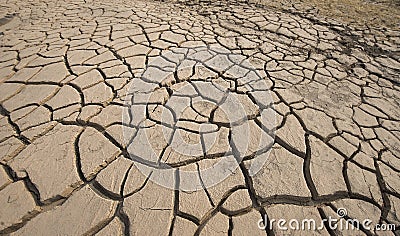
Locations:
83 110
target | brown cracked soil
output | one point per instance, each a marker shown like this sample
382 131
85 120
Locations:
69 70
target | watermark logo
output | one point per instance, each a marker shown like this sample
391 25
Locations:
341 212
195 114
341 222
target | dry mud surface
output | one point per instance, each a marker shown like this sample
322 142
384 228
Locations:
364 13
70 70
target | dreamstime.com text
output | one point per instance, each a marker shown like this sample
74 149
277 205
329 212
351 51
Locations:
341 223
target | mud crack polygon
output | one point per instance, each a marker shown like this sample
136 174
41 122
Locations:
200 111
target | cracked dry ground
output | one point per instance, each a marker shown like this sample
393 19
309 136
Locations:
65 72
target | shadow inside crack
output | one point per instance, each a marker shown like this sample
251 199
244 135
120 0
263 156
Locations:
7 18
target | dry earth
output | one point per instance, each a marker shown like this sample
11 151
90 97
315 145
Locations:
68 69
359 13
